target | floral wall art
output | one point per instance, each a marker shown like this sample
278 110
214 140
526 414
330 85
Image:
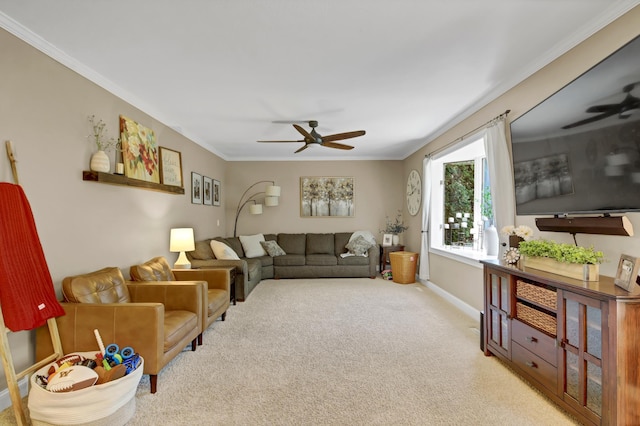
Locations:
326 197
139 151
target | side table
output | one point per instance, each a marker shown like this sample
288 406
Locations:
384 255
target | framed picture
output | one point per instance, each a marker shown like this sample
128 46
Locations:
387 240
196 188
326 197
170 167
139 151
627 274
216 192
207 191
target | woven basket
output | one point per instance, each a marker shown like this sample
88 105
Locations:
403 266
536 318
540 295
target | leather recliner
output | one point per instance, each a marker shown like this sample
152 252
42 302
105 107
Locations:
158 320
217 294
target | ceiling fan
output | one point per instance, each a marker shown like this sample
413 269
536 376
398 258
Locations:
624 109
313 138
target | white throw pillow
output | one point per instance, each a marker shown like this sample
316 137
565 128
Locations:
223 251
251 245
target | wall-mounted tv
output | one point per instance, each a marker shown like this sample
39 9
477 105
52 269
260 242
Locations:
578 151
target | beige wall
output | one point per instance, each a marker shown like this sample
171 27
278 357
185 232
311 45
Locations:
376 186
465 281
85 226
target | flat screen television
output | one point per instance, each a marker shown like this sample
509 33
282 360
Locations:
578 151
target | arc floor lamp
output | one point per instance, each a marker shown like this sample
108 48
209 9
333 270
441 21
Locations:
271 195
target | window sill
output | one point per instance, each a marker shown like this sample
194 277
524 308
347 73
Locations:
469 257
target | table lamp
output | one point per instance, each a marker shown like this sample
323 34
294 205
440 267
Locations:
181 240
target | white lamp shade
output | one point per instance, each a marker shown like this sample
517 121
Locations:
255 209
181 240
270 201
272 191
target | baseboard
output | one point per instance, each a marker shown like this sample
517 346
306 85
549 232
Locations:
5 397
467 309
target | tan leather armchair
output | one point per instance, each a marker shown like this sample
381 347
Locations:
218 292
158 320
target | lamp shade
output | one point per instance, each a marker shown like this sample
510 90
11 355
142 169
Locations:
270 201
181 240
255 209
272 191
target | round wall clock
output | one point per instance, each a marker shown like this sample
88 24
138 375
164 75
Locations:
414 192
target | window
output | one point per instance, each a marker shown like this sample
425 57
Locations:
461 199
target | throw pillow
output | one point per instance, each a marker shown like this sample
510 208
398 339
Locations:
223 251
272 248
359 246
251 245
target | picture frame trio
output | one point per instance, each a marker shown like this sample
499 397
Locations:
205 190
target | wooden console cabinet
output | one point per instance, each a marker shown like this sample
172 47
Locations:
578 342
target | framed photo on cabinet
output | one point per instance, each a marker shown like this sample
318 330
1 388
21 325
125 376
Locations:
627 274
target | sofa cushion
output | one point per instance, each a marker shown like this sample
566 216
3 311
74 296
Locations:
359 246
251 245
289 260
341 240
234 243
223 251
272 248
292 243
320 244
203 250
321 260
354 260
254 269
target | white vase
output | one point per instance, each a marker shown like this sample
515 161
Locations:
395 239
491 242
100 162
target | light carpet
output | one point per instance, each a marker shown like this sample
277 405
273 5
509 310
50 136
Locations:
340 352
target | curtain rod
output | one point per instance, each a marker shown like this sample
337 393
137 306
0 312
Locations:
504 114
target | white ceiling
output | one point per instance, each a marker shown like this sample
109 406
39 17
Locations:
221 72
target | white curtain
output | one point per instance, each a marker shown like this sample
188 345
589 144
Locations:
500 174
423 272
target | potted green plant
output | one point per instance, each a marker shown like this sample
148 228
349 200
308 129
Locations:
395 227
100 160
562 259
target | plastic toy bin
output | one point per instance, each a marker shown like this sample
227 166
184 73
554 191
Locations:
403 266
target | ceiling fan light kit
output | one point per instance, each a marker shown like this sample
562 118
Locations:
314 139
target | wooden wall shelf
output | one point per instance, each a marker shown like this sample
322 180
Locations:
125 181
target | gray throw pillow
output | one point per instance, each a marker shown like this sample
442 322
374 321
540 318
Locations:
272 248
358 246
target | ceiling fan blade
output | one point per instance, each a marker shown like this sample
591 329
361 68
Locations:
303 132
336 145
590 120
340 136
281 141
603 108
301 149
